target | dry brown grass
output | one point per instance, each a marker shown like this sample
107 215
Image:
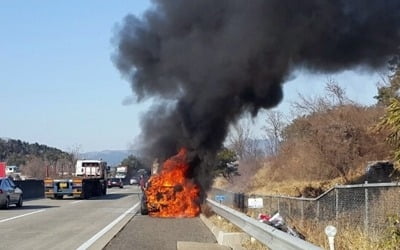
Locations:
254 244
320 147
348 236
224 224
220 182
262 185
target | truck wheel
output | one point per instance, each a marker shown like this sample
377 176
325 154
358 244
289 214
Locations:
87 191
85 194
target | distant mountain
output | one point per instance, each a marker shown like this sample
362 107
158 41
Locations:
112 157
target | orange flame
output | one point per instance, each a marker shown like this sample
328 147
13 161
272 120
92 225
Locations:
170 193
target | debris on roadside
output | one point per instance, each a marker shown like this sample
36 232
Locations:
277 221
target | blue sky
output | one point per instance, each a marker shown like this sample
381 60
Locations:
59 87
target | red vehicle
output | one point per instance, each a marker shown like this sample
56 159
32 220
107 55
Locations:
115 182
2 169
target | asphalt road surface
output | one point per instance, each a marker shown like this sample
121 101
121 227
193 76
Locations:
107 222
68 223
147 233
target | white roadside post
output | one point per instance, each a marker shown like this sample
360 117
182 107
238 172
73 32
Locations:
331 231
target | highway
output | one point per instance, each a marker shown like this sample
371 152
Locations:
68 223
147 233
107 222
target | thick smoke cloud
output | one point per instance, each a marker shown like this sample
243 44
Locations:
209 61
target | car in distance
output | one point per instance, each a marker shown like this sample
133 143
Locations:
115 182
134 181
10 193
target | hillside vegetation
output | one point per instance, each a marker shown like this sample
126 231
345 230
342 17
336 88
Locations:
317 151
329 141
32 158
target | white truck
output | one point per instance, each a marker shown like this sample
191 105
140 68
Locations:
88 180
121 172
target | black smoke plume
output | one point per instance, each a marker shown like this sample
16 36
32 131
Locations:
207 61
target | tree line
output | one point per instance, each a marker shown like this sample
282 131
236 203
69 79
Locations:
328 137
18 153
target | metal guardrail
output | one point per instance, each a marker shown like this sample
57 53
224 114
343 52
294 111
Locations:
270 236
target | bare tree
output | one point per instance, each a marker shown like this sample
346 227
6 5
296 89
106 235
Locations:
248 150
62 166
336 92
335 96
273 128
34 168
75 151
310 105
239 138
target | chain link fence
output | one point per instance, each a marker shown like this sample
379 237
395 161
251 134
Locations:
366 206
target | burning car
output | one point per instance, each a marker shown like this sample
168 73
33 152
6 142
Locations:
170 193
164 198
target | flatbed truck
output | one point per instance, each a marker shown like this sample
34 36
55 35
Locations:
88 180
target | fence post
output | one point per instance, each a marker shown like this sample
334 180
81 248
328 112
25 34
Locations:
279 209
336 203
271 204
241 200
366 211
302 211
317 210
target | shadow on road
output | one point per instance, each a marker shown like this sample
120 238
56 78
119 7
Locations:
112 196
30 207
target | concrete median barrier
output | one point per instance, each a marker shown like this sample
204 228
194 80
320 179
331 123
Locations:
32 189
